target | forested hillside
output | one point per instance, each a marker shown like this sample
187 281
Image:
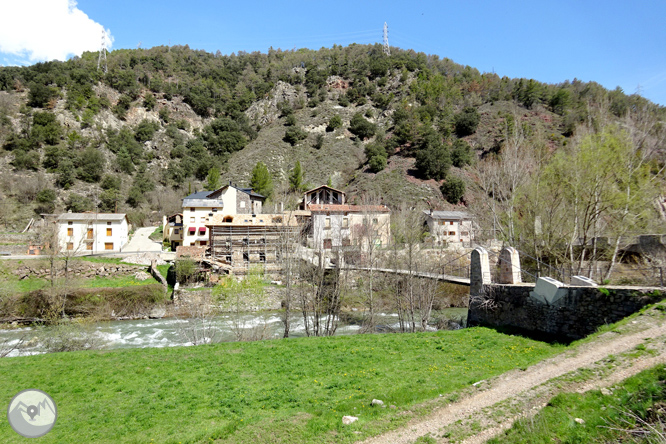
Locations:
540 164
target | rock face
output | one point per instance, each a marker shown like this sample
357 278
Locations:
346 420
266 110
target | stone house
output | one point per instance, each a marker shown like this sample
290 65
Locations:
172 230
334 226
201 207
90 233
450 226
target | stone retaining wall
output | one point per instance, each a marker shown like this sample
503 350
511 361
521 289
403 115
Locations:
577 314
76 269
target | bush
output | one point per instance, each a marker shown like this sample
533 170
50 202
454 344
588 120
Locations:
377 163
319 141
78 203
461 154
91 165
453 190
145 130
26 160
294 134
334 123
467 121
361 127
185 270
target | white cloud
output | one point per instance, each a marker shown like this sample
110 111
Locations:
44 30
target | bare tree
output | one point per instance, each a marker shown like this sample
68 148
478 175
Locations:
197 319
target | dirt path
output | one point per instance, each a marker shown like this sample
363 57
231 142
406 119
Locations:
529 390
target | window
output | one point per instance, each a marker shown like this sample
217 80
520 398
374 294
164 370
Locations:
108 245
70 232
192 219
452 233
277 220
176 231
202 231
228 258
89 234
203 243
109 231
70 246
441 222
327 223
191 209
262 257
108 223
202 219
246 257
70 223
451 223
89 246
375 221
464 233
214 210
345 223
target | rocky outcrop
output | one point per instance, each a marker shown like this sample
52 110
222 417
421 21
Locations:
266 110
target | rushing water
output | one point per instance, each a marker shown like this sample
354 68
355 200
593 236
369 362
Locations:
168 332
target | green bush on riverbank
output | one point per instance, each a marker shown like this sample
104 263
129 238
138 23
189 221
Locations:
294 390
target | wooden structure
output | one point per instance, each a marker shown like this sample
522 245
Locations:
242 241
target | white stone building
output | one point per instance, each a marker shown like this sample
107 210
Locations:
90 233
199 209
450 226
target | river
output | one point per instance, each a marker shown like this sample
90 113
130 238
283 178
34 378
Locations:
169 332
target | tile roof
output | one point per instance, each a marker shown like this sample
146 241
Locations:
316 208
92 216
454 215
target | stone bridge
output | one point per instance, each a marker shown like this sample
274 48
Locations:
548 309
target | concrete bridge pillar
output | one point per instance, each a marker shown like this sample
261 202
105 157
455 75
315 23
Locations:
509 265
479 271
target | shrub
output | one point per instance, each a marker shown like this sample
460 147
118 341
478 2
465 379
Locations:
461 154
361 127
334 123
453 190
467 121
294 134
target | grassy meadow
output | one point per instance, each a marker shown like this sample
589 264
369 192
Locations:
632 411
294 390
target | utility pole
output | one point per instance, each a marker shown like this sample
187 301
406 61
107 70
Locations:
102 53
387 49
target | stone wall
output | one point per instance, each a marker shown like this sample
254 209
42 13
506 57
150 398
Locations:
581 311
77 269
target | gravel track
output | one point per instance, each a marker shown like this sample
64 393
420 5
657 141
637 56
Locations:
517 383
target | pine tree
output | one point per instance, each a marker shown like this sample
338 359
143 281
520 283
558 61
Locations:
261 181
296 178
213 179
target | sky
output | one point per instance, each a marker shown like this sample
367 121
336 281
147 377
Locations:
612 42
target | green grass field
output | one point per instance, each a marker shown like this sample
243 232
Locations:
294 390
623 415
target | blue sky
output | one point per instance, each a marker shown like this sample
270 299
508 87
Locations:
615 43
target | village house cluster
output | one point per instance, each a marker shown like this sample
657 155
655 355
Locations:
228 229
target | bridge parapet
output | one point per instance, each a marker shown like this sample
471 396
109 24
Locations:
479 271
